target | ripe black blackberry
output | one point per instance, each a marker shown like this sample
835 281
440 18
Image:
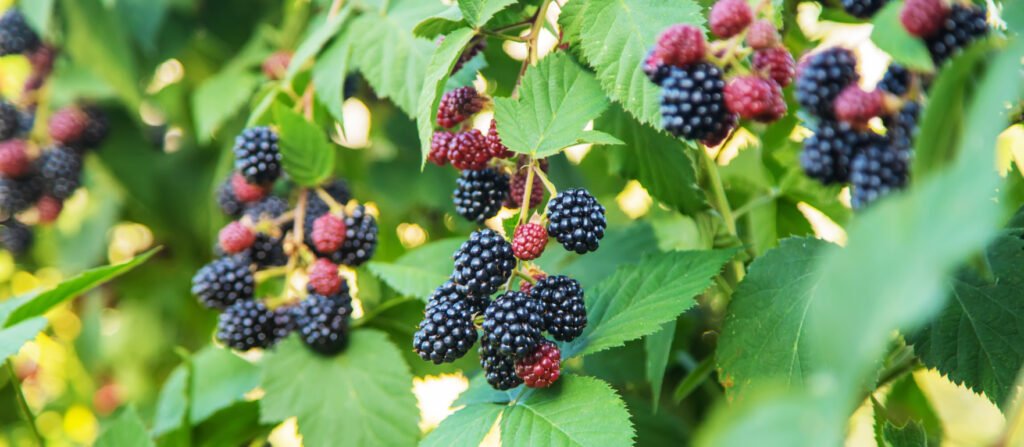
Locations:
902 127
323 322
896 80
863 8
17 195
360 239
446 333
257 156
245 325
96 129
822 77
270 208
565 314
576 220
224 282
827 154
15 236
449 293
479 194
513 324
16 36
961 27
876 171
483 263
654 68
284 322
227 201
61 170
267 251
499 370
693 101
10 120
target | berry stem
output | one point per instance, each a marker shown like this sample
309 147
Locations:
26 412
721 203
335 8
544 179
755 203
300 218
531 43
525 276
503 36
525 206
272 272
333 204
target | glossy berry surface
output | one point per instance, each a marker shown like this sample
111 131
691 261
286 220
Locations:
478 195
693 101
576 220
565 313
542 367
529 241
483 263
513 324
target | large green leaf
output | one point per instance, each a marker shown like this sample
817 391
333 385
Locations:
890 36
361 397
466 427
442 23
418 272
329 71
658 346
616 35
762 337
96 38
576 411
219 379
441 64
324 30
126 429
978 340
12 338
306 154
71 288
910 435
658 161
220 97
557 99
38 14
638 299
478 12
172 404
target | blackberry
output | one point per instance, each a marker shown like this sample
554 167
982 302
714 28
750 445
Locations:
513 324
902 127
284 322
565 314
17 195
876 171
257 156
323 322
576 220
10 120
483 263
227 201
16 36
896 80
269 208
446 333
469 150
15 236
246 325
457 106
655 68
730 17
360 239
61 170
479 194
923 18
680 45
755 98
542 367
827 154
822 77
499 370
223 282
763 35
96 129
517 186
961 27
731 121
529 241
863 8
449 293
337 189
693 101
267 251
776 63
14 161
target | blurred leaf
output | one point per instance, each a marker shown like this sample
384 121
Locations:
616 36
564 415
638 299
556 100
890 36
418 272
658 347
694 379
910 435
466 427
906 402
38 14
219 98
768 418
144 19
237 425
659 162
172 405
71 288
441 64
95 36
306 154
478 12
309 47
440 24
329 72
762 337
361 397
219 379
13 337
125 429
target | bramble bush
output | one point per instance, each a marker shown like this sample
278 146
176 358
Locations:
534 222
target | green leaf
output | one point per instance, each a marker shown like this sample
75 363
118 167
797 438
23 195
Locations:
762 337
361 397
564 415
219 98
12 338
324 31
557 99
144 19
71 288
890 36
418 272
443 23
219 379
95 35
638 299
306 154
906 402
659 162
616 35
441 64
172 405
125 429
38 14
695 378
768 418
329 71
910 435
478 12
977 339
658 346
466 427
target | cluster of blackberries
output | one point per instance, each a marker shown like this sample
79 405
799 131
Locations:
697 102
863 8
38 175
945 29
265 235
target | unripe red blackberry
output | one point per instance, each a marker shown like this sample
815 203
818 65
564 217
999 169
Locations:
246 192
439 142
494 144
730 17
822 76
776 63
235 238
469 150
324 278
16 36
565 313
483 263
529 241
323 322
479 194
328 234
15 236
681 45
223 282
763 35
70 126
923 18
275 66
457 106
755 98
245 325
49 209
60 169
14 160
257 156
513 324
499 370
857 107
542 367
517 186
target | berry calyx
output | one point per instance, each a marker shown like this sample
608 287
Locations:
328 234
324 278
776 63
542 367
755 98
730 17
529 241
763 35
235 238
681 45
468 150
14 160
246 192
457 106
923 18
857 107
